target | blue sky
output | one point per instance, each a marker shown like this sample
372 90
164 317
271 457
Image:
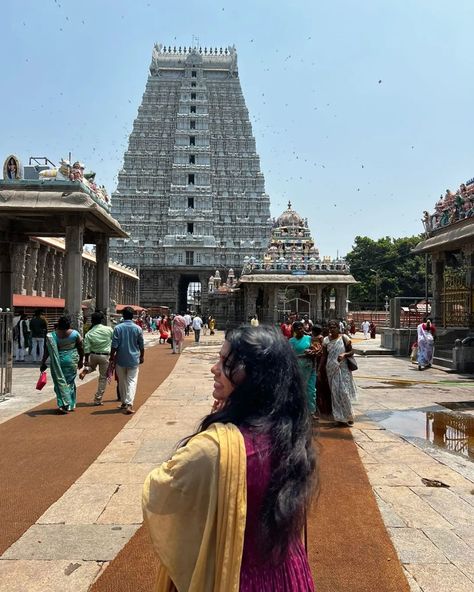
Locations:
354 155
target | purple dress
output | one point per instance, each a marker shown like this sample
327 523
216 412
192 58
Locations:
256 575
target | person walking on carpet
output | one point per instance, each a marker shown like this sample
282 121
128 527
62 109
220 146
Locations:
127 353
97 347
226 512
301 345
64 347
336 349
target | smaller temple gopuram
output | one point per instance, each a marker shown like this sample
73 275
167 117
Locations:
291 277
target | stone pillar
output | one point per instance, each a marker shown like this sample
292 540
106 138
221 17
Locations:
58 275
437 287
319 303
40 273
250 302
326 303
85 291
31 268
19 259
49 284
112 288
121 291
341 302
73 272
102 293
315 304
6 276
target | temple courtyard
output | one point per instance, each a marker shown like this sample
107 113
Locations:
395 510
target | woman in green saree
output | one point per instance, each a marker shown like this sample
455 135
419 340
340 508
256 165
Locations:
301 344
65 350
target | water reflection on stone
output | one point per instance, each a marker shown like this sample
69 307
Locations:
454 432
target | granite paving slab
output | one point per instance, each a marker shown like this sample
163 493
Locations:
439 578
116 473
392 474
413 546
51 576
411 508
455 549
75 542
447 503
82 503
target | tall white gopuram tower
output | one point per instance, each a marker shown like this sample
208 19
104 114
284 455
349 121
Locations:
190 193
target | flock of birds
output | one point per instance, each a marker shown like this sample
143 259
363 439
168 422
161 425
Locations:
289 166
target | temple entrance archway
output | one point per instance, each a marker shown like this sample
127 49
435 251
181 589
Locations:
297 300
189 293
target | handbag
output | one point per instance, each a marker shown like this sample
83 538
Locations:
110 371
351 363
42 380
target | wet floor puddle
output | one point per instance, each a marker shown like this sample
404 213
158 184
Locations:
453 432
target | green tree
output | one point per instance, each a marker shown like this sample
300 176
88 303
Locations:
385 267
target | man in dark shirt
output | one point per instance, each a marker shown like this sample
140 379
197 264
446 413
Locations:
38 329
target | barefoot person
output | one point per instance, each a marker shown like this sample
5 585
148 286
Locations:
226 512
301 345
128 352
426 332
336 349
65 349
97 347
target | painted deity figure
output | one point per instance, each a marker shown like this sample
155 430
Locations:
77 172
11 169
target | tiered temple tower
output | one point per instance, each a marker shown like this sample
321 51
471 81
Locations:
191 193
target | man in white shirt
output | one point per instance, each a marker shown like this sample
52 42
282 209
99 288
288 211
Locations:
188 319
365 326
197 326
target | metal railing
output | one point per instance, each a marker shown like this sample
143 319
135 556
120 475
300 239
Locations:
6 354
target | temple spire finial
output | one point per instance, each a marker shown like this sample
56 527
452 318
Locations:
289 204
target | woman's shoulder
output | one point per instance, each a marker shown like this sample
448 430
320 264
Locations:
202 450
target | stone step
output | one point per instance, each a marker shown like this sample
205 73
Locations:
443 362
376 351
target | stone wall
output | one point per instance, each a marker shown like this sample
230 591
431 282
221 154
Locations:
39 271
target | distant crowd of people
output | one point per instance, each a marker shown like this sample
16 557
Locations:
173 328
114 352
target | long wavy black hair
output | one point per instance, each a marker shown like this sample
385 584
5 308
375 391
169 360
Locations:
271 399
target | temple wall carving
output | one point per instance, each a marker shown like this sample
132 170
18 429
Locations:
191 193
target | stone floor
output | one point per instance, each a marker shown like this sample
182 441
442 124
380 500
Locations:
432 528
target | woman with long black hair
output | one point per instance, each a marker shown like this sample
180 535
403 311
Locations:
226 512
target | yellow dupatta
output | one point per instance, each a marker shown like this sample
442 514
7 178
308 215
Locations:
195 507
